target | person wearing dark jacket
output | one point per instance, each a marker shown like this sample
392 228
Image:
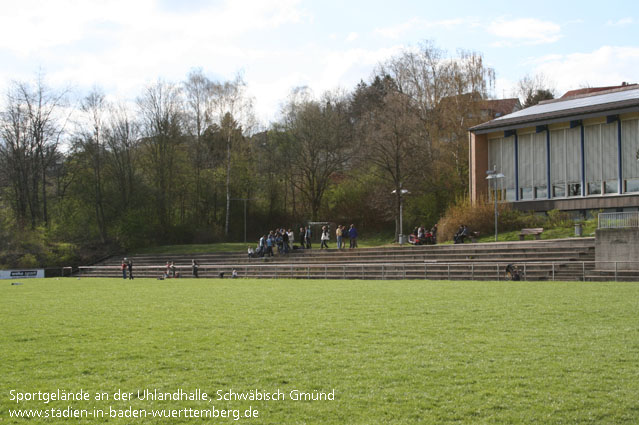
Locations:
302 237
195 268
352 234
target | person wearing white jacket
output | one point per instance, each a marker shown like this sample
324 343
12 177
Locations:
325 238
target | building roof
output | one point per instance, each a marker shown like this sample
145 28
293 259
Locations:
500 107
590 90
615 101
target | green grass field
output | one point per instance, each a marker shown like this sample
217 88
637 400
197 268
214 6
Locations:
397 352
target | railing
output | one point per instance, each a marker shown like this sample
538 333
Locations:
563 270
618 220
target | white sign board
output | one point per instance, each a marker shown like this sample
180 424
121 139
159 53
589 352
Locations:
21 274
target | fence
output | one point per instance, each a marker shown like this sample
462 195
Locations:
618 220
567 270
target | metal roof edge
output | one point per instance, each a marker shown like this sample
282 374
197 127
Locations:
480 129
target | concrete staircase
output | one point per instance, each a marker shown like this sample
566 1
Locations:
561 259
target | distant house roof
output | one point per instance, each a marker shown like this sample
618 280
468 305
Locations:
590 90
611 101
501 107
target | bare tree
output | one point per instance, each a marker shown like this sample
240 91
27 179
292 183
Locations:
122 139
32 126
162 118
91 142
391 133
447 93
18 156
322 136
533 89
198 101
229 99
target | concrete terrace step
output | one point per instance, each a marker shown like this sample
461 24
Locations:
455 271
463 261
350 255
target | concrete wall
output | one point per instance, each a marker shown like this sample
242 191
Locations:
617 245
579 203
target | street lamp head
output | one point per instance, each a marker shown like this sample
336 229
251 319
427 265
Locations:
494 176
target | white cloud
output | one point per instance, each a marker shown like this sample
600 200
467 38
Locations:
122 45
397 31
524 31
32 25
606 66
505 88
621 22
352 37
336 68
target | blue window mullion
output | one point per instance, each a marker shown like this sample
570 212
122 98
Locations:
619 159
583 163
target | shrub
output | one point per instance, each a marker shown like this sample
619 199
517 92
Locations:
28 261
480 217
558 218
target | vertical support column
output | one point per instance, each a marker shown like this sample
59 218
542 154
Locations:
516 167
619 158
583 162
549 187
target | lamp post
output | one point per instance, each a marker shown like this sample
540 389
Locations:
494 176
402 192
244 199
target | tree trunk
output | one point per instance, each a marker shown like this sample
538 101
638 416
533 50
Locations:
228 184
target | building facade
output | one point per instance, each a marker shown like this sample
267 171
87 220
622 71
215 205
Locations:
574 153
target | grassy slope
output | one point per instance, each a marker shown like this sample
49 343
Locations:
371 241
400 352
589 228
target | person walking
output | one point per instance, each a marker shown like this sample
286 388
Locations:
130 267
123 267
325 237
291 238
308 237
338 236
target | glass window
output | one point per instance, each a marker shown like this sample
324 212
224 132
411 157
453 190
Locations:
501 157
629 148
558 190
632 185
541 192
611 187
574 189
526 193
594 188
558 162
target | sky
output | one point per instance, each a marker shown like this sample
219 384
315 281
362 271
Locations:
121 46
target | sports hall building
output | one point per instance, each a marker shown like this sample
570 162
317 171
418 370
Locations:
577 153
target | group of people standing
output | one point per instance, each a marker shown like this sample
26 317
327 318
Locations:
127 266
284 240
342 233
422 236
281 239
